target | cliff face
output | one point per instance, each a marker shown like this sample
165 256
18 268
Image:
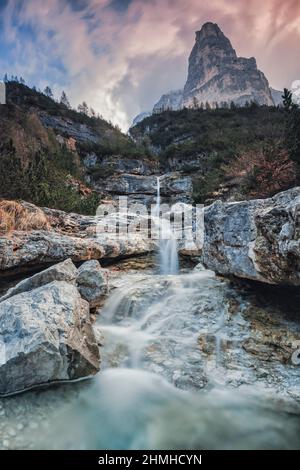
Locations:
217 75
54 156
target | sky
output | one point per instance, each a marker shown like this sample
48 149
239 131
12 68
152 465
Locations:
121 55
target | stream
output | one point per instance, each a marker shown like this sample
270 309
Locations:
176 374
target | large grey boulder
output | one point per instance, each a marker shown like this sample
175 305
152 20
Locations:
45 336
92 281
258 239
65 271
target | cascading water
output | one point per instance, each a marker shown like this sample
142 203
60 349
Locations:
168 249
167 380
148 394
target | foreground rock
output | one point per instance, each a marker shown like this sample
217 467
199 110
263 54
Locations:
46 336
256 239
65 271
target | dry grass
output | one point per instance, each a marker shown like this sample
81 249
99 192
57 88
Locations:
15 216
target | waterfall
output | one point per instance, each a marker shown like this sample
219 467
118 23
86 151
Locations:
168 250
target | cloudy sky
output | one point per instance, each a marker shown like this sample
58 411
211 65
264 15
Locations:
121 55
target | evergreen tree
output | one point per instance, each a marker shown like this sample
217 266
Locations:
48 92
287 99
292 129
64 100
83 108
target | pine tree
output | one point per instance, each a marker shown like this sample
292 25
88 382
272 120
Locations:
287 99
83 108
292 128
64 100
48 92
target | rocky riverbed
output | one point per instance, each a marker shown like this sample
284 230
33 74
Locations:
178 352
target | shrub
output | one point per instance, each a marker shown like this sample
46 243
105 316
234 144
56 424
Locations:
263 172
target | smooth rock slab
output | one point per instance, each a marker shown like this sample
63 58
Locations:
45 336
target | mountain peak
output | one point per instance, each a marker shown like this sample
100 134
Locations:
217 75
211 36
209 29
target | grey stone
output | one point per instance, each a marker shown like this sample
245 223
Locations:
46 336
143 189
257 239
70 236
65 271
92 282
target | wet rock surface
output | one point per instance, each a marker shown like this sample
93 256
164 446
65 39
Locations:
227 334
199 332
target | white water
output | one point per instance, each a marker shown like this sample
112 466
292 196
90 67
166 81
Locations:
156 390
168 250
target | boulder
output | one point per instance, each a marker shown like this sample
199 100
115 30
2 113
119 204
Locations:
46 336
92 282
65 271
258 239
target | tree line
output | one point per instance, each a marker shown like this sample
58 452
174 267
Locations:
82 108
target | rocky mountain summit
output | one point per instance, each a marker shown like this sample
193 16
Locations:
217 75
